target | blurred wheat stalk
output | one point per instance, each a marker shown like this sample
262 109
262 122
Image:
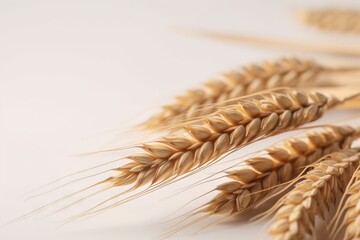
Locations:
337 20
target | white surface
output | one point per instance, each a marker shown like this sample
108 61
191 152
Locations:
72 72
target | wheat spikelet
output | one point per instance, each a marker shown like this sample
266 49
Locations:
286 72
352 209
333 19
200 142
311 197
259 177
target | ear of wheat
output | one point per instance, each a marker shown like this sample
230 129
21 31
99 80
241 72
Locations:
351 208
333 19
286 72
311 197
258 178
196 144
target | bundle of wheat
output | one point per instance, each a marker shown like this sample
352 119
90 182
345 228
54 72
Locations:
285 72
198 143
240 108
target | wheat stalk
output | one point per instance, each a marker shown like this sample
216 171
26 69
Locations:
198 143
333 19
259 176
311 197
285 72
322 47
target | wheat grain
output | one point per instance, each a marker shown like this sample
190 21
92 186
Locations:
339 20
203 141
259 177
286 72
313 196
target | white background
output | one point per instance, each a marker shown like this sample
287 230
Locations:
74 73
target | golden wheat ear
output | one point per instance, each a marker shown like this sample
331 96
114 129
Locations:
253 182
349 211
332 19
313 196
200 142
284 72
